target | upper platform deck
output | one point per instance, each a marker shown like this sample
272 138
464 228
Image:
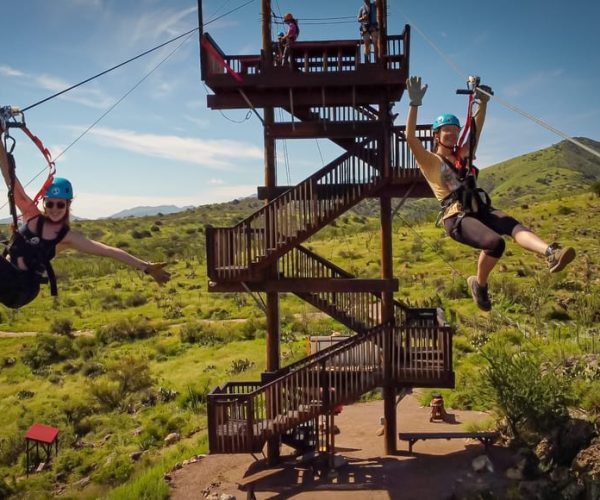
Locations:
314 68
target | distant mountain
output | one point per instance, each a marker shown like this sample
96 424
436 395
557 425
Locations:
145 211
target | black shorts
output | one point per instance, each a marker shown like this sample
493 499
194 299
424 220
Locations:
17 287
482 230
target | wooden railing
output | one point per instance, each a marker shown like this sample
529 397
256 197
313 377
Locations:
402 160
294 216
359 311
315 56
242 416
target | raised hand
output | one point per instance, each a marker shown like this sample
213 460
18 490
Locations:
416 90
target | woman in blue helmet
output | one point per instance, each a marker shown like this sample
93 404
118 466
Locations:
26 264
467 214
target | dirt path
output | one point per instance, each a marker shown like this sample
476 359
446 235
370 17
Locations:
11 335
433 472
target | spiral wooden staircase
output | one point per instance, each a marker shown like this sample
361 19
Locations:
327 92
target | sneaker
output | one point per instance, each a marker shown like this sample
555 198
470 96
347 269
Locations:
479 294
557 258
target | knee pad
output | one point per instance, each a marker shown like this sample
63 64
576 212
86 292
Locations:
497 248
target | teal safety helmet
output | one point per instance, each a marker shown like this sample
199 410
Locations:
445 119
60 188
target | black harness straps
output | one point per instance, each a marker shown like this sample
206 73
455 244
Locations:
36 251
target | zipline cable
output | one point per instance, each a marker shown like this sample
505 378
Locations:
87 80
110 108
109 70
188 33
228 12
502 102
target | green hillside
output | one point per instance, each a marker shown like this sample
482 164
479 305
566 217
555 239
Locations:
562 169
118 363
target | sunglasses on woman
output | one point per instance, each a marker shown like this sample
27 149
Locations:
52 204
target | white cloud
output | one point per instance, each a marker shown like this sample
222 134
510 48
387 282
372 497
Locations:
97 205
9 71
157 24
209 153
88 96
216 182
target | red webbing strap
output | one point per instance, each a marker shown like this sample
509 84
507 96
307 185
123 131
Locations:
465 131
48 157
214 53
467 126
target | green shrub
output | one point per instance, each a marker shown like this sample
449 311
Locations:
595 187
562 210
125 329
67 461
116 470
456 289
135 300
239 366
201 334
92 369
195 399
251 328
87 346
5 489
48 349
106 392
138 235
62 326
132 374
111 300
10 449
533 398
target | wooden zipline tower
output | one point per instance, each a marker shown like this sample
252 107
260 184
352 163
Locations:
327 92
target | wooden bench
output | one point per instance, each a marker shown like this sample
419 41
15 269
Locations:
248 483
487 438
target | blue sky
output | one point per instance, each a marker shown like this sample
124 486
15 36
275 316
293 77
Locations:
161 145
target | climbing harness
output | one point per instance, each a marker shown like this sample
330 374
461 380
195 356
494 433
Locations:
24 244
36 252
14 118
470 198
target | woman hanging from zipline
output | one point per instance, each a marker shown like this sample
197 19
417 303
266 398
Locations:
26 262
467 214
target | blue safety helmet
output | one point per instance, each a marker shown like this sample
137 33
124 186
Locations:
445 119
60 188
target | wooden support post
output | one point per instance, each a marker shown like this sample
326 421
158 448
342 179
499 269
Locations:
387 271
271 181
382 22
387 315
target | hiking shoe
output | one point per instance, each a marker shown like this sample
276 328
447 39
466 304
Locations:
557 258
479 294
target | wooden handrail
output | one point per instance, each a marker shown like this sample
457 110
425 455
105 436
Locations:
338 375
312 56
296 214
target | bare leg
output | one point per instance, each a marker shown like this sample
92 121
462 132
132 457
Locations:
484 268
528 240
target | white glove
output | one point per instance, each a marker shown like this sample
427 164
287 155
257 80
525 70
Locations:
416 90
